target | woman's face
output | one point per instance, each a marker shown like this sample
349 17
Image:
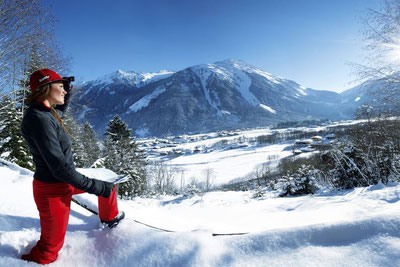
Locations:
57 93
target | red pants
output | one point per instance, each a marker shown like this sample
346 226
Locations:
53 202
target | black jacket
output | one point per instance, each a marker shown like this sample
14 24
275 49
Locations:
50 147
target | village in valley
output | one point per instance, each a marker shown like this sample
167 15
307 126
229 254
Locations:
235 155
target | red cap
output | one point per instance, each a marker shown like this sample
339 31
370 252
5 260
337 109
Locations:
42 77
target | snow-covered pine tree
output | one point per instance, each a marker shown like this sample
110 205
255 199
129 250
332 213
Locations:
5 112
122 156
12 145
91 149
192 188
303 181
75 134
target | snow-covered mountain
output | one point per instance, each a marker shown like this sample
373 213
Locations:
136 79
382 94
102 96
229 94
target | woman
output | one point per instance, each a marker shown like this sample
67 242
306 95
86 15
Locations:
55 178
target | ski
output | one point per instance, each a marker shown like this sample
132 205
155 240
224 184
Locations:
84 206
154 227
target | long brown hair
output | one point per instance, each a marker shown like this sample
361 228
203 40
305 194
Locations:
40 94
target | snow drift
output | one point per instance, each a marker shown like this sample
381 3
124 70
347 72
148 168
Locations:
358 227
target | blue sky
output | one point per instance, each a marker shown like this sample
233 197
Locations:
309 41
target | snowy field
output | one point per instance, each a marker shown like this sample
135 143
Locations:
358 227
228 165
234 159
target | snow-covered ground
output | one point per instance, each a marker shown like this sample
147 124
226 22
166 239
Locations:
228 165
230 157
358 227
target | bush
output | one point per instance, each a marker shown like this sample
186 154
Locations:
354 167
259 192
191 189
302 182
291 165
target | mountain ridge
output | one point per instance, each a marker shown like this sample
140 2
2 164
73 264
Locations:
227 94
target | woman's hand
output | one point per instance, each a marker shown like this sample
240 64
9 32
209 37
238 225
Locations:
100 188
108 188
68 86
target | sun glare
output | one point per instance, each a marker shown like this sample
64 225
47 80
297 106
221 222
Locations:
392 55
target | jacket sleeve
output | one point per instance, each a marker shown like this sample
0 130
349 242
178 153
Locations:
44 135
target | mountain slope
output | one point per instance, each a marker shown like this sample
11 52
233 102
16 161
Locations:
381 94
229 94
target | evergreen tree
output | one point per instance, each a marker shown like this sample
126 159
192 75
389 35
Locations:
75 134
123 157
91 149
117 130
12 145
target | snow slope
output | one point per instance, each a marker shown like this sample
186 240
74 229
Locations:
144 101
358 227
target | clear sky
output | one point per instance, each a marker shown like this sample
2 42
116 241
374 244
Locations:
309 41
